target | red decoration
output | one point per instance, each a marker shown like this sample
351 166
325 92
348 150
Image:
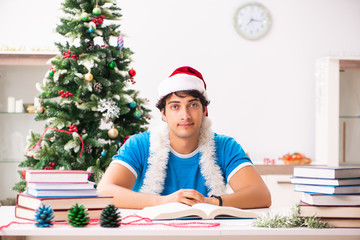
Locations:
68 54
72 128
55 129
125 139
66 94
98 20
132 73
295 159
23 174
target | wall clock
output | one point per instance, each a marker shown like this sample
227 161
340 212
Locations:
252 20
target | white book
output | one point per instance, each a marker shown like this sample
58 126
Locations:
197 211
327 172
69 176
51 186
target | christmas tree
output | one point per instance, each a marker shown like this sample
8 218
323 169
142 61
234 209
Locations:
87 97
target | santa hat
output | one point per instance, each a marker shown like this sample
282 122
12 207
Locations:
183 78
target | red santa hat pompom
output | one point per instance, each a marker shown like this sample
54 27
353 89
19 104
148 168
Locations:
183 78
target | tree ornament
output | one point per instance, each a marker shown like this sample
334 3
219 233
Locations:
66 94
132 73
78 216
91 30
113 132
90 45
73 128
88 149
125 139
44 216
98 20
103 154
110 217
132 104
96 10
137 114
23 174
98 87
40 109
120 42
109 108
89 77
84 16
112 64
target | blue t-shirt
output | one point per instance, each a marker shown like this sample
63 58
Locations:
183 171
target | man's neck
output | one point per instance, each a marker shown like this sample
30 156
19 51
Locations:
184 145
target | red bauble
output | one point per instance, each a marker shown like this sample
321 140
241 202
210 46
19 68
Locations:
23 174
132 72
125 139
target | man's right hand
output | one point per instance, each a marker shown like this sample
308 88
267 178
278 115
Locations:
186 196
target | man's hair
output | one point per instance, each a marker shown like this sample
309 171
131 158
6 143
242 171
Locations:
194 93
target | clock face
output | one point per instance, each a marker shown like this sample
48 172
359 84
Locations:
252 20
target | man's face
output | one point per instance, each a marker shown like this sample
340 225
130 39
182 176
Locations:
184 116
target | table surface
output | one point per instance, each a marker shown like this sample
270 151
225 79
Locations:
226 230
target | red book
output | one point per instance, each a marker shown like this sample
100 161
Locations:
59 215
62 203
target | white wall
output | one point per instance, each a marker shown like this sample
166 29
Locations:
263 92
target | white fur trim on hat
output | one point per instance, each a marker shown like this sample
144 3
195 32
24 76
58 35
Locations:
183 78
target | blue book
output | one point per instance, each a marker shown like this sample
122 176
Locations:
62 192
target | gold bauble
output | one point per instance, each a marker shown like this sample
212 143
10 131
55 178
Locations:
89 77
113 132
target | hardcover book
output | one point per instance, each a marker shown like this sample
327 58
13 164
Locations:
59 215
62 192
327 189
331 200
325 181
327 172
60 185
342 222
56 176
198 211
307 210
62 203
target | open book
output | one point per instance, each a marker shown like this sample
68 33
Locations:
198 211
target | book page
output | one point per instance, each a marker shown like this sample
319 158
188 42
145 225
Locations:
173 210
213 211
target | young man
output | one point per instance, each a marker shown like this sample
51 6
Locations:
183 161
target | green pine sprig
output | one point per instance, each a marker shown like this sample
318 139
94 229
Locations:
291 221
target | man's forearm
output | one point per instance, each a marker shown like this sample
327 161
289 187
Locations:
126 198
249 197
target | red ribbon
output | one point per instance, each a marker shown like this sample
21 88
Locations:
136 222
55 129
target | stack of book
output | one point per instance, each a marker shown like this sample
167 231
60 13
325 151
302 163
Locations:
333 194
60 189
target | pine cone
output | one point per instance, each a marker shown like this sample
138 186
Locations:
98 87
44 216
110 217
78 216
90 45
88 149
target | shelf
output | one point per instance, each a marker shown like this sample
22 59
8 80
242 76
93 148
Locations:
25 58
349 65
354 117
10 113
